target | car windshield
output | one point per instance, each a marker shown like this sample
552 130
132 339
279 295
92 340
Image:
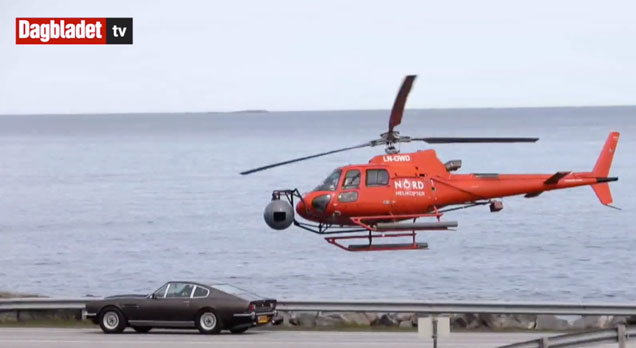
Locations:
238 292
331 182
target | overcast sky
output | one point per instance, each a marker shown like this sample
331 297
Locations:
316 55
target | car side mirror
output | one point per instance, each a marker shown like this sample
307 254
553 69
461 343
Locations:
153 296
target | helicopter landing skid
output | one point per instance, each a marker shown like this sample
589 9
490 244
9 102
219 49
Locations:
378 247
388 226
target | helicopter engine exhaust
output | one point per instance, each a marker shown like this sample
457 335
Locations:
279 214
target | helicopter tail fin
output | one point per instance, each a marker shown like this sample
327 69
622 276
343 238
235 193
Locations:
604 161
602 168
603 193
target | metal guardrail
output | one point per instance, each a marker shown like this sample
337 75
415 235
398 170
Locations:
620 334
424 307
43 303
434 307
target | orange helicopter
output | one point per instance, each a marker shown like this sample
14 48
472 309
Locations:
385 197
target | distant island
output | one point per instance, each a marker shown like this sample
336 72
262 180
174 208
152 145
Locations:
250 111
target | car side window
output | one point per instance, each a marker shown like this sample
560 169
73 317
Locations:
200 292
377 177
351 180
179 290
161 292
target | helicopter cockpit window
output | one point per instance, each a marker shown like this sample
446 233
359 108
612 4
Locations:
377 177
351 180
331 183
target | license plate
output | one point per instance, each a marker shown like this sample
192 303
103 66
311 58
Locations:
263 319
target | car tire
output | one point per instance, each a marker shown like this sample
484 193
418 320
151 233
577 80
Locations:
112 320
141 329
239 330
208 322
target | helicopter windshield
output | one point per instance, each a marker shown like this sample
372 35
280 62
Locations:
331 182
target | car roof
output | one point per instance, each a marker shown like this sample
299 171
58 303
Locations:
223 287
187 282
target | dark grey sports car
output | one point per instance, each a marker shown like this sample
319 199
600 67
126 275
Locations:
209 308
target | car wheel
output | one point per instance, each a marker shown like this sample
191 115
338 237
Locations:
111 320
208 322
141 329
239 330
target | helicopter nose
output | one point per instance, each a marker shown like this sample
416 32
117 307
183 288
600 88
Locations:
314 205
301 209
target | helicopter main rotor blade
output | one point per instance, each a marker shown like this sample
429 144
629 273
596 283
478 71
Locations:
400 101
452 140
304 158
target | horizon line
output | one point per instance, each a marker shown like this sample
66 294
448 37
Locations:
265 111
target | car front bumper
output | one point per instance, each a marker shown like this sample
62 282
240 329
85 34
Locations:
90 316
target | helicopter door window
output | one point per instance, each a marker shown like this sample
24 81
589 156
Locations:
351 180
349 196
377 177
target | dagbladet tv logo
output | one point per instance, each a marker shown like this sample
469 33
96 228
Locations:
73 31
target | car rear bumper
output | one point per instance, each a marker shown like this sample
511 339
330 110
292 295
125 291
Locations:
254 318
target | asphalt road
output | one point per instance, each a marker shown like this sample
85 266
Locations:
70 338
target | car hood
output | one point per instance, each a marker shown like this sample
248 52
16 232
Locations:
126 296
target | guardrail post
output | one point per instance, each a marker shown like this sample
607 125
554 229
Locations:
434 332
621 336
544 342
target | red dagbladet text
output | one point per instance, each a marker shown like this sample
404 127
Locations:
60 31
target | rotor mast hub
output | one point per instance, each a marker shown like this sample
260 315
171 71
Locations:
389 139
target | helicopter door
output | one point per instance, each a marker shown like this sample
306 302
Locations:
378 196
348 197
